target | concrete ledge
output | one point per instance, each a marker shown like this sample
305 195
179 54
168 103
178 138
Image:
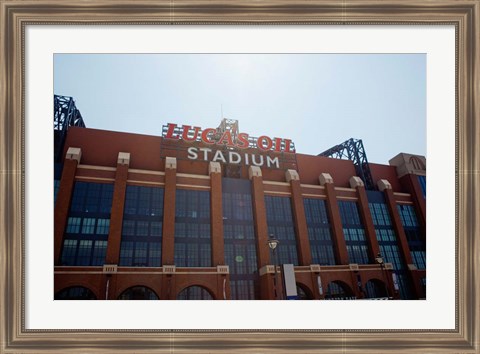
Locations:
353 266
254 171
223 269
356 181
383 184
110 268
170 163
73 154
268 269
325 178
169 269
292 175
214 167
123 158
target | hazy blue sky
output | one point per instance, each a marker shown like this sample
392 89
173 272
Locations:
317 100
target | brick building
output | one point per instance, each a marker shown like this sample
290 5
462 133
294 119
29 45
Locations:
188 215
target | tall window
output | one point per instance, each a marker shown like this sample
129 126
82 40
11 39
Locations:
319 231
142 227
192 229
280 224
415 239
423 185
239 237
354 232
56 187
88 223
388 241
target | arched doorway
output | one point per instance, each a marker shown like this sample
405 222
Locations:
194 292
303 293
138 293
338 290
375 288
75 293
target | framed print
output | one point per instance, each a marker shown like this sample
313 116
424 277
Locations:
120 206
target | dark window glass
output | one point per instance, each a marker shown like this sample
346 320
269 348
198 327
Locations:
239 238
142 227
281 226
375 289
88 224
415 236
319 231
388 242
192 228
138 293
354 232
194 293
337 290
423 184
56 187
75 293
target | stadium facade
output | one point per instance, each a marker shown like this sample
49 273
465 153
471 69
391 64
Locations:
191 215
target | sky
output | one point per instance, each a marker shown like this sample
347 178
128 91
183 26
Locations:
316 100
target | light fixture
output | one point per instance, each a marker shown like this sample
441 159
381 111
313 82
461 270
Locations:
272 242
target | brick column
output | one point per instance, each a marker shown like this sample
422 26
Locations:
168 234
386 188
340 246
260 216
301 230
373 247
64 196
118 202
216 214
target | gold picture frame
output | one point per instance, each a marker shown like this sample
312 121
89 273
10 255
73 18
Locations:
15 15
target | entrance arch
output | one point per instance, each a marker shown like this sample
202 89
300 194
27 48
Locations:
338 290
304 292
75 293
375 288
195 292
138 293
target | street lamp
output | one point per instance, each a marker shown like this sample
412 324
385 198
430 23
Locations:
379 260
273 243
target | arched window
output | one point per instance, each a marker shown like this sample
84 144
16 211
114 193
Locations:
338 290
375 288
75 293
138 293
194 293
417 163
303 293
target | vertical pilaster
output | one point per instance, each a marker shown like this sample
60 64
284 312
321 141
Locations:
216 214
168 234
260 216
301 230
64 197
118 203
373 247
341 253
386 188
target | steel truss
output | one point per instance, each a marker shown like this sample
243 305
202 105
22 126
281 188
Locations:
65 115
353 150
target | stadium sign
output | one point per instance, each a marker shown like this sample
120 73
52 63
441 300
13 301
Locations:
228 138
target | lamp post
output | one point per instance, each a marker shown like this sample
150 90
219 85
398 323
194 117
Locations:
273 243
379 260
